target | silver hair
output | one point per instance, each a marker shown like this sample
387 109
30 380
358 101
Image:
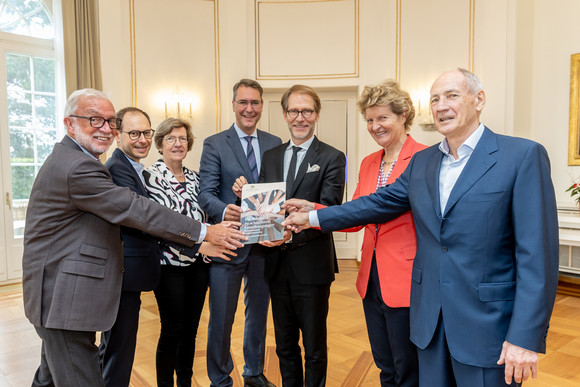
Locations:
473 83
73 99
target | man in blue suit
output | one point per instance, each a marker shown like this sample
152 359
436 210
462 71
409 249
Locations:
486 270
226 156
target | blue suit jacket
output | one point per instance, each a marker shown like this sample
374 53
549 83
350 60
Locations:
140 250
223 160
489 263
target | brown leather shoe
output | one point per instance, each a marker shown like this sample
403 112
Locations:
257 381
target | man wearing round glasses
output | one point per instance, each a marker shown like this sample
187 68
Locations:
140 251
72 263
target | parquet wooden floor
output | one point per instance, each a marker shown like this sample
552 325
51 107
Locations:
350 363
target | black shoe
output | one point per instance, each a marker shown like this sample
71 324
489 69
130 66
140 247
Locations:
257 381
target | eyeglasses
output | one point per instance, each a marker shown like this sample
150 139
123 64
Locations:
99 122
306 113
244 103
136 134
172 139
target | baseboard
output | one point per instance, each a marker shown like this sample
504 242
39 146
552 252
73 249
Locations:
569 286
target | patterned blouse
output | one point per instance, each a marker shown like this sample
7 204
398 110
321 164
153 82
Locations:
165 189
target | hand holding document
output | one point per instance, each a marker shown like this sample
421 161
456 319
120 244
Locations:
262 212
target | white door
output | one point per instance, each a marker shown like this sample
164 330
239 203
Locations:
337 127
27 134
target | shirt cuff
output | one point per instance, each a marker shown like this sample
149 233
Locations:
313 219
202 232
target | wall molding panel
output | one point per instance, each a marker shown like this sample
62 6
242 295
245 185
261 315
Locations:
307 39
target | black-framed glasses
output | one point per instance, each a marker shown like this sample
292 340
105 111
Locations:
99 122
306 113
244 103
136 134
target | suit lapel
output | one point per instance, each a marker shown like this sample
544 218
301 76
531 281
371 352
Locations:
371 176
432 177
138 183
309 159
236 146
478 164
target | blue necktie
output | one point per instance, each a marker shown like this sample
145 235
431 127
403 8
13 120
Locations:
251 158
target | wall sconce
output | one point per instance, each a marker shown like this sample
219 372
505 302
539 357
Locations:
180 105
423 115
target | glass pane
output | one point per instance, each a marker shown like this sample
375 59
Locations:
41 25
19 109
44 109
23 6
18 72
26 17
45 143
21 146
22 179
43 74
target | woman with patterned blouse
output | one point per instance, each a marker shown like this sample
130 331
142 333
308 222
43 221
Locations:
184 280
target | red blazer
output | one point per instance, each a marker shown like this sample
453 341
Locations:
395 241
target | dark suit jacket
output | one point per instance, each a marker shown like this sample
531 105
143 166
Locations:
223 160
489 262
140 250
311 254
73 257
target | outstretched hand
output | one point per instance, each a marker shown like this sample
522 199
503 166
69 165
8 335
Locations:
212 250
226 234
297 221
298 205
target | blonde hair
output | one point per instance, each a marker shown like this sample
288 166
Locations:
388 93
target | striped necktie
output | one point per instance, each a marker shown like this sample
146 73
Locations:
251 158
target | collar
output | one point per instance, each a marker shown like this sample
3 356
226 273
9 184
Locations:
242 134
137 166
82 148
305 145
467 147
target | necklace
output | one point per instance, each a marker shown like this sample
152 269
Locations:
392 161
177 174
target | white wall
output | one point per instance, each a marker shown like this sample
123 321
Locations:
520 48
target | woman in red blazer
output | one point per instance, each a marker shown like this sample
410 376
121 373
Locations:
388 250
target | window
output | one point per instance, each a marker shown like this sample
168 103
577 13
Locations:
28 119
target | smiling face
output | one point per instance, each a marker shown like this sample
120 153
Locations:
95 140
301 129
455 109
176 151
134 149
384 126
248 108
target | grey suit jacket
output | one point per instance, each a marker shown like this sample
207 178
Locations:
73 256
223 160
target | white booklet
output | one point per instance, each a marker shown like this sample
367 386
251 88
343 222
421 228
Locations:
262 215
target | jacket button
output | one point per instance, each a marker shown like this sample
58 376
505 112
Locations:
122 270
444 249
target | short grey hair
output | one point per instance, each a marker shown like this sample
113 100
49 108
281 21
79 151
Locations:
473 83
74 98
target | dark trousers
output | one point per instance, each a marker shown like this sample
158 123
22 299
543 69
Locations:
299 308
117 349
437 368
180 298
225 282
68 358
388 329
